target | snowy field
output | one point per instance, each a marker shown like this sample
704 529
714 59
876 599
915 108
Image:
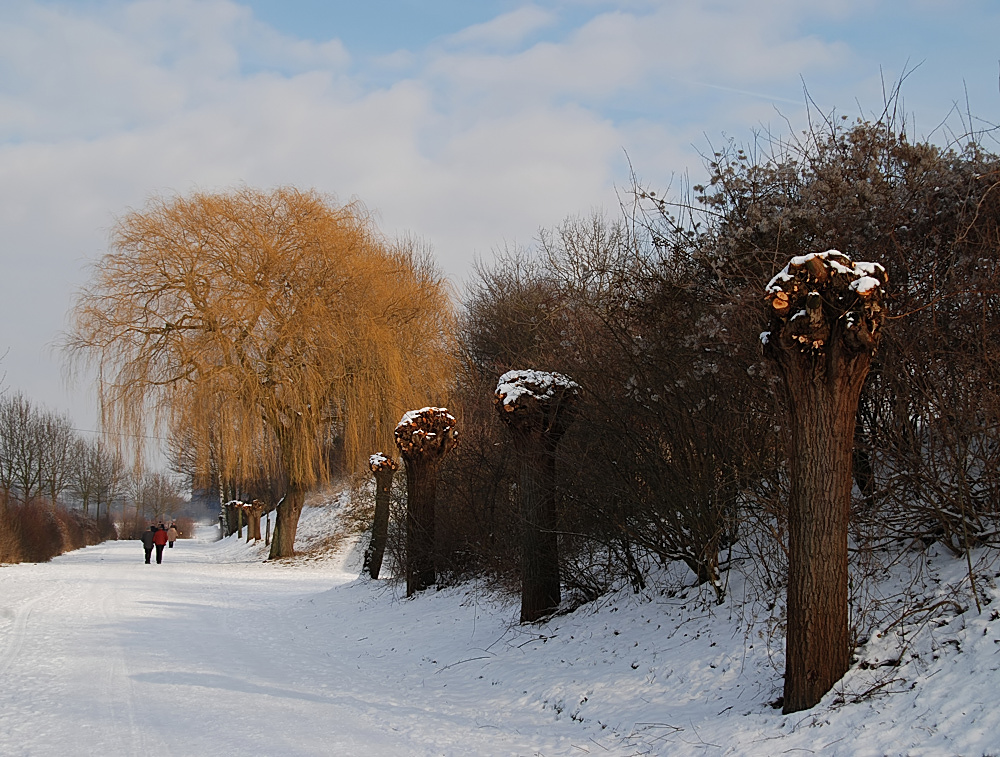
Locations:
215 652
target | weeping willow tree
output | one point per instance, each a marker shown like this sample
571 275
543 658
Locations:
262 327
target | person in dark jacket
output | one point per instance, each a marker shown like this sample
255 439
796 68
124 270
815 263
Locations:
159 539
147 542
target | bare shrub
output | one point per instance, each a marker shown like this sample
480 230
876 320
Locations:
185 527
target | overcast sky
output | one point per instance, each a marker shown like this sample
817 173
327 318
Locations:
468 124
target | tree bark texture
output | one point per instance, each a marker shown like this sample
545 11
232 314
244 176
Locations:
421 498
380 524
537 408
540 593
825 323
286 521
423 438
818 635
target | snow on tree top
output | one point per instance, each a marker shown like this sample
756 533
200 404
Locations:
240 503
865 284
411 417
869 276
379 462
814 292
541 385
420 431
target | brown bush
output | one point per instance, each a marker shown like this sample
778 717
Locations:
185 527
132 528
39 532
36 532
10 547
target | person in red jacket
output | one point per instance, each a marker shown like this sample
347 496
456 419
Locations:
159 539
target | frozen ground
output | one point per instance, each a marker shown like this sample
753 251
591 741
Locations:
215 652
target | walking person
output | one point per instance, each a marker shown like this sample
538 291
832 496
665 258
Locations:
172 534
147 542
159 539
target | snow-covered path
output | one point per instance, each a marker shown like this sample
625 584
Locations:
215 652
103 654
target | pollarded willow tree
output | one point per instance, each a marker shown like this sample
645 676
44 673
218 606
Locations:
383 468
423 437
825 321
537 408
266 328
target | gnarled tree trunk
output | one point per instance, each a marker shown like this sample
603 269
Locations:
286 521
540 591
826 319
384 469
535 406
254 512
424 437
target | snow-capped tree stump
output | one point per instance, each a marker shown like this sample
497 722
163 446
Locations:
825 321
537 407
423 437
253 513
384 468
234 517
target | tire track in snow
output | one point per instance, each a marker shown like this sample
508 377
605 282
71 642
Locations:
18 632
119 692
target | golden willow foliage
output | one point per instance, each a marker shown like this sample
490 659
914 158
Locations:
258 326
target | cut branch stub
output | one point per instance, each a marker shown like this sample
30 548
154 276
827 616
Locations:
820 293
430 431
536 402
379 462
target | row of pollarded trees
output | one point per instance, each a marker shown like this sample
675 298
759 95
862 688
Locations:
683 447
536 407
274 327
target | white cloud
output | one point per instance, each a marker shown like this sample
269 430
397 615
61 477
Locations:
507 30
481 140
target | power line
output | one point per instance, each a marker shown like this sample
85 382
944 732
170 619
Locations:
121 433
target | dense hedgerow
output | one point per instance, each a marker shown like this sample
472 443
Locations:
679 448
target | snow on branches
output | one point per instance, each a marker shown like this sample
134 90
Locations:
380 462
534 400
818 293
430 430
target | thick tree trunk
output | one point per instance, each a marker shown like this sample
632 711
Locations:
254 513
380 524
421 488
825 322
537 407
823 412
286 522
423 437
540 593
